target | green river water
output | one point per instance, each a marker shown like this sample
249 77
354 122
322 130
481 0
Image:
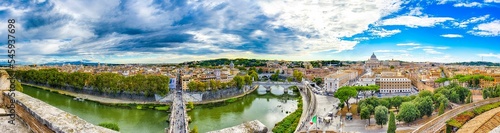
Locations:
267 107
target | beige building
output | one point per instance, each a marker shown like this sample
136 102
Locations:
392 84
339 79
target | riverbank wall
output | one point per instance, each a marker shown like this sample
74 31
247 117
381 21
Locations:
221 95
44 118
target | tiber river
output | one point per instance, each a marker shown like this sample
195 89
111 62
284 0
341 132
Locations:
267 107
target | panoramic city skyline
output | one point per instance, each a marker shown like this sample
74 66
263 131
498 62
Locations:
171 32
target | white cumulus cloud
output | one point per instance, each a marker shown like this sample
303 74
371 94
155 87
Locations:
472 4
487 29
452 35
414 21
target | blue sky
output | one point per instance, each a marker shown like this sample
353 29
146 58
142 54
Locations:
156 31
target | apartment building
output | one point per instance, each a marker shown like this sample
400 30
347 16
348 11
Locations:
342 78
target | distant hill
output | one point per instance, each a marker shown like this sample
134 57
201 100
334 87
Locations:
475 63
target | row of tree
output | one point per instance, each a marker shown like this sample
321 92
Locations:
471 80
237 81
103 82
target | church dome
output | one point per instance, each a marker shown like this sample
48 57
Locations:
373 56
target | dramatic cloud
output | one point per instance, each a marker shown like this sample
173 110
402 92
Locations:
452 35
487 29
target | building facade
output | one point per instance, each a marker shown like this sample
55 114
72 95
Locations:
342 78
394 84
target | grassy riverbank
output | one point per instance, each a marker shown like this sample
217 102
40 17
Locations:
289 123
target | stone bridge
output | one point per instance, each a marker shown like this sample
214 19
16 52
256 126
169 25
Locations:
285 85
268 75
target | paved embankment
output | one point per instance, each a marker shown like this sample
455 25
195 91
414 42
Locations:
42 117
254 126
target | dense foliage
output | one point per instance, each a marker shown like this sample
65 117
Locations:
491 92
289 123
471 80
112 126
408 113
102 82
454 93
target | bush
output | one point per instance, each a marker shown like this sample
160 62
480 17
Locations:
112 126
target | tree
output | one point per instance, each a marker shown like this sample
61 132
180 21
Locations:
260 70
392 67
408 112
485 94
248 80
381 115
384 102
392 124
239 81
396 101
424 106
441 108
297 75
424 93
318 81
454 97
365 114
344 94
254 75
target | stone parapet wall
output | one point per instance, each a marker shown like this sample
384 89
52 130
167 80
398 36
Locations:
43 118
